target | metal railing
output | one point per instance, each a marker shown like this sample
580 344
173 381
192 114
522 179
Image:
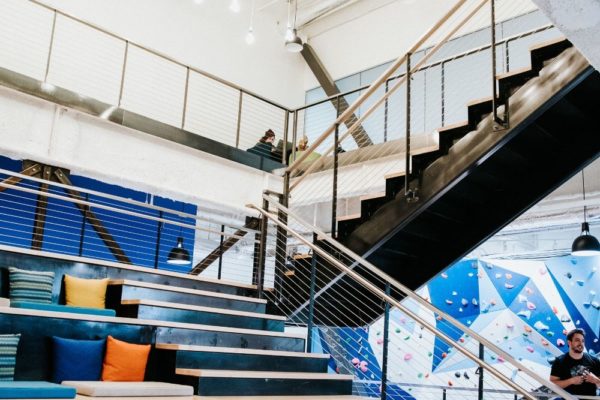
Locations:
376 328
61 50
45 215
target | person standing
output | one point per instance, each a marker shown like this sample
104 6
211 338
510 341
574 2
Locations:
576 371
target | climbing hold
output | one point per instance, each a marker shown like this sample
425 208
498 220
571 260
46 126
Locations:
454 293
380 341
444 275
474 302
527 329
449 302
407 337
429 354
460 309
466 375
457 374
464 302
596 305
531 306
524 313
580 282
420 375
540 326
545 342
498 276
493 302
407 357
450 383
508 286
522 299
565 318
560 342
551 359
543 271
569 275
528 290
355 361
530 349
444 355
510 325
364 363
470 274
508 276
500 359
363 369
397 330
550 334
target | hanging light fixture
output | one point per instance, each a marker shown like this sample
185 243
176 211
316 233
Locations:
289 34
250 39
585 244
178 255
235 6
294 44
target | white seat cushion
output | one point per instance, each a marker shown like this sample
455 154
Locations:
129 389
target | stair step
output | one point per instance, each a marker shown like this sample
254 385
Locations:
167 311
226 358
124 289
209 382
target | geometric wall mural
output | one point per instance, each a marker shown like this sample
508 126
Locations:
524 307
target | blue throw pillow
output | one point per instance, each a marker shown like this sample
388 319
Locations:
77 360
8 356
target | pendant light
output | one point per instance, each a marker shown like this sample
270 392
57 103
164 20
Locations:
585 244
294 44
250 39
178 254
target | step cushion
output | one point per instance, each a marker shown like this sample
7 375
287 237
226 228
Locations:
35 390
8 354
31 286
81 292
63 308
68 363
130 389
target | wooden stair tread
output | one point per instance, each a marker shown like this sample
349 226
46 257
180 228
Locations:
144 322
129 267
211 349
479 101
221 373
347 217
547 43
514 72
207 293
461 124
370 196
180 306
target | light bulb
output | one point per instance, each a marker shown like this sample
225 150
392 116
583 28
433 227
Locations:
289 34
235 6
250 36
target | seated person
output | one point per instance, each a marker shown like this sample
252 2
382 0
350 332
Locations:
302 148
264 147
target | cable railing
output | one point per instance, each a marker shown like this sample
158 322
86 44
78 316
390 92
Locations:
375 328
52 217
61 50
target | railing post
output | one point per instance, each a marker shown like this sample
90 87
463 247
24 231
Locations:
82 232
221 252
386 332
158 234
385 113
311 298
335 182
480 386
239 120
284 155
185 97
122 84
408 192
294 136
444 394
262 251
499 123
443 90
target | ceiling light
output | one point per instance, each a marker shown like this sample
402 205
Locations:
250 36
289 34
178 255
295 45
235 6
586 244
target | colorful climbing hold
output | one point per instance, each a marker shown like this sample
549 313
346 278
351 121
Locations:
407 357
560 342
508 286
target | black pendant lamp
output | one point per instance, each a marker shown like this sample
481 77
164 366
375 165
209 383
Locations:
586 244
178 255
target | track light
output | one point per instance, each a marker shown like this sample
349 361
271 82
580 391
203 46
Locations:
586 244
178 255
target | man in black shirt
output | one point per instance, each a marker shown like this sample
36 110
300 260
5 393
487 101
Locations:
576 371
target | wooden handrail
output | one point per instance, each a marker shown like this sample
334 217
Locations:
380 81
390 91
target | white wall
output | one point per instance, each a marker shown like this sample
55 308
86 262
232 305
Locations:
579 20
207 36
31 128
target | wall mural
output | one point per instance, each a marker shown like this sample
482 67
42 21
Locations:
524 307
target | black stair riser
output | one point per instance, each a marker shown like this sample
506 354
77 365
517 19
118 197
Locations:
227 339
116 293
248 362
199 317
268 387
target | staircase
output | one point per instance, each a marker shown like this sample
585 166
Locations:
483 177
213 336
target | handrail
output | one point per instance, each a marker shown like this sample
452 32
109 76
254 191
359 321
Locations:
381 294
380 81
159 54
430 65
371 109
405 290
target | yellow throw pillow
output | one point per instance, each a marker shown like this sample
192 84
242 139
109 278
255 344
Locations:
85 292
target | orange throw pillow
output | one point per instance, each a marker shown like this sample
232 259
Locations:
124 362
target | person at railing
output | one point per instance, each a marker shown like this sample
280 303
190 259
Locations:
576 371
302 148
264 147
